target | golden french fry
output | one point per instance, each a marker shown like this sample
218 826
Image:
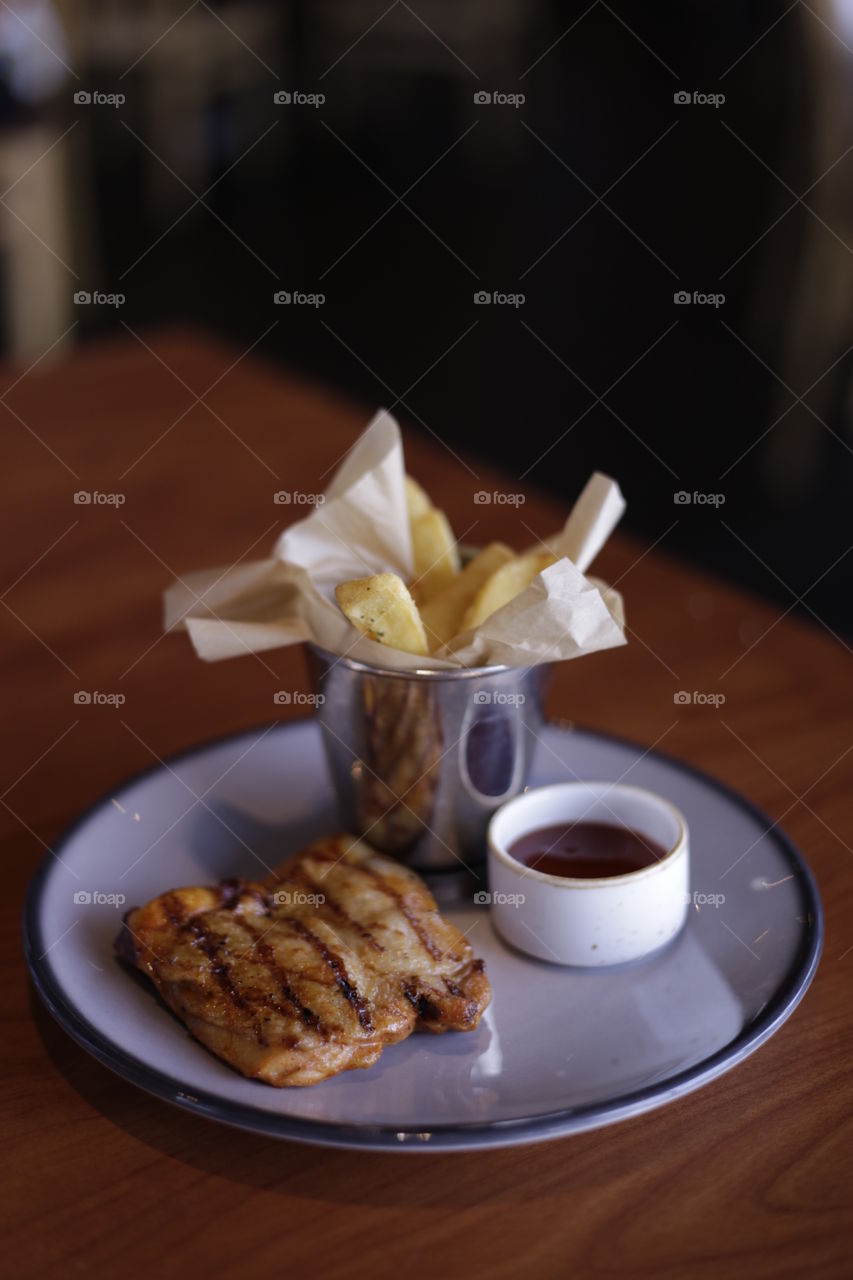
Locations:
443 613
417 499
436 554
382 607
504 585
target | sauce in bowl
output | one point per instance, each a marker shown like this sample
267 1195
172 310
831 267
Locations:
586 850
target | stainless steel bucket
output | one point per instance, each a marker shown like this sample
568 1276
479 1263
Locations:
421 760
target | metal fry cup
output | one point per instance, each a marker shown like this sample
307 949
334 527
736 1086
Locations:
420 760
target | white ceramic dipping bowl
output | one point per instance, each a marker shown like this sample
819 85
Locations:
589 922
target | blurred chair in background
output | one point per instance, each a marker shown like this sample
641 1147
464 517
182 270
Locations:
36 282
799 455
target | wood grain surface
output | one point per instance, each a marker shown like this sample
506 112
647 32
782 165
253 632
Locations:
750 1177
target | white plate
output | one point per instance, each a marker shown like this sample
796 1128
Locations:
560 1050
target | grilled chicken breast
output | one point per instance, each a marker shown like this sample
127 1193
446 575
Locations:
314 970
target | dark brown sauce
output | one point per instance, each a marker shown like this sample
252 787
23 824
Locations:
586 850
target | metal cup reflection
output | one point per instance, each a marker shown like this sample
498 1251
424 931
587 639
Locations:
421 760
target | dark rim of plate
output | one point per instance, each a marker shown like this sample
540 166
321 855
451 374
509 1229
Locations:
461 1136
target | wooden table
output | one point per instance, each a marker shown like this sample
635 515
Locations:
748 1177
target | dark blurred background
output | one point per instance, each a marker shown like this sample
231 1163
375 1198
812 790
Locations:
627 155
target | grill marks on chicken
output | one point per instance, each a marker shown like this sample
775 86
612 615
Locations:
312 972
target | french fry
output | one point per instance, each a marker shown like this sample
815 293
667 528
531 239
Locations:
504 585
382 607
443 613
436 554
417 499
